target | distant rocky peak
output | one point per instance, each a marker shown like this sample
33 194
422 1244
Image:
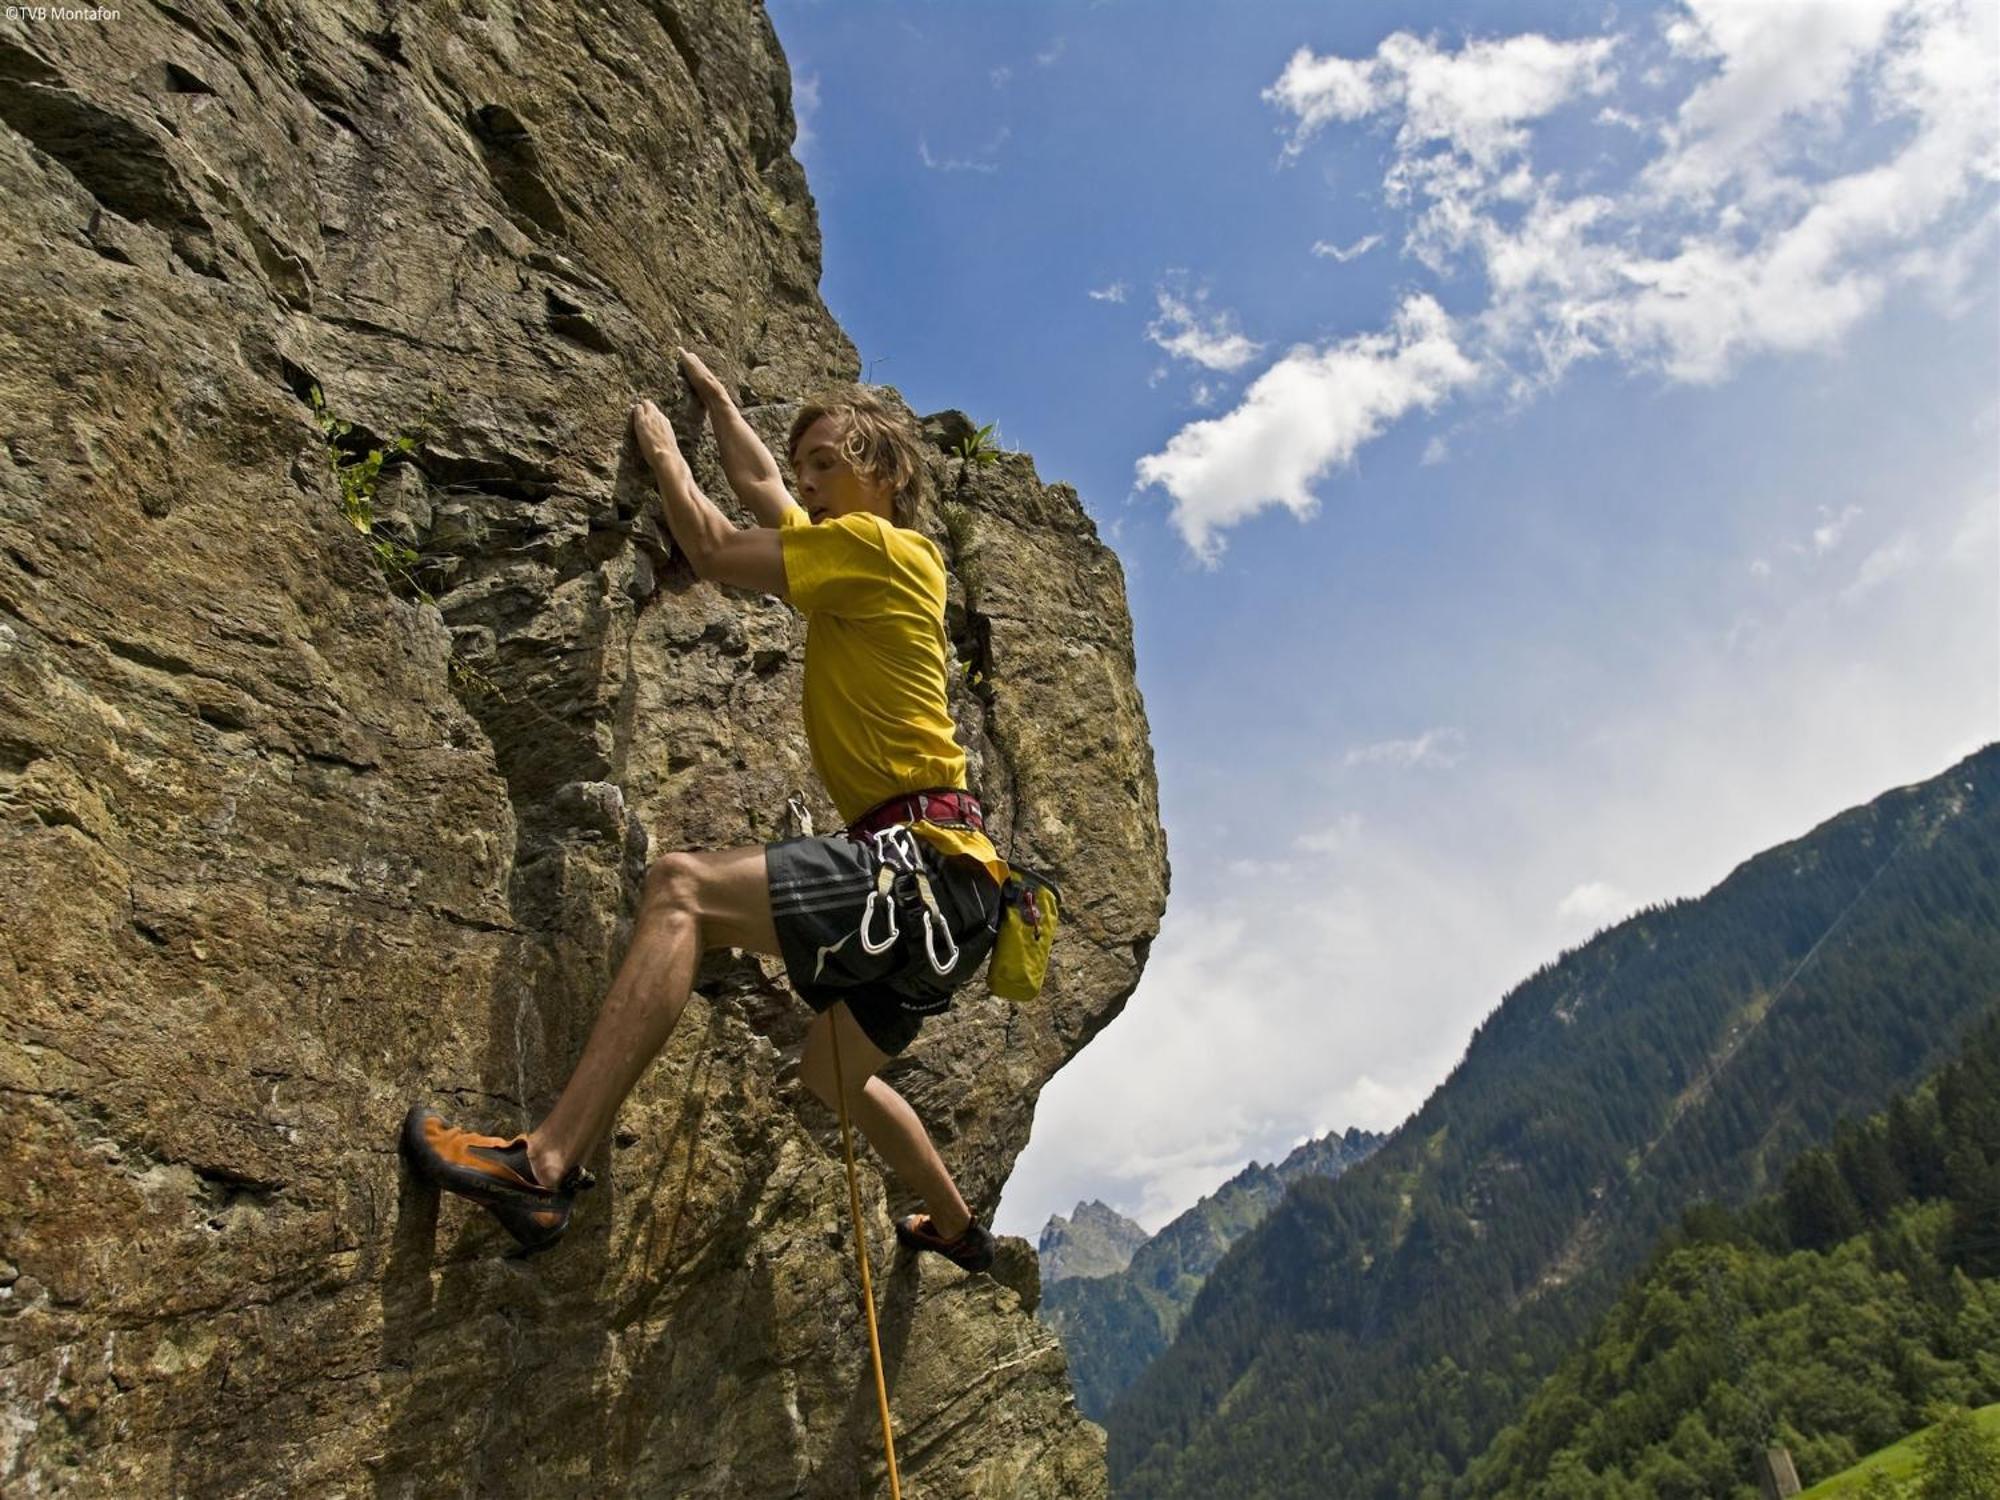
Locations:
1328 1155
1095 1240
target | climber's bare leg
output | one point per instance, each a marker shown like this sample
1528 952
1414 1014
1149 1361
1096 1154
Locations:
881 1114
692 901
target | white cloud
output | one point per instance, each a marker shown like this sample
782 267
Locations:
1752 229
1336 837
1052 52
1735 238
1475 99
1300 419
1759 568
1204 394
1246 869
805 106
1888 561
1976 542
1369 1103
1779 62
1344 254
1760 250
1443 748
981 161
1184 332
1113 293
1595 903
1827 535
1253 986
1436 451
1000 76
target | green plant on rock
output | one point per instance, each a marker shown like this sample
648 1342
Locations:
357 479
972 676
471 680
976 450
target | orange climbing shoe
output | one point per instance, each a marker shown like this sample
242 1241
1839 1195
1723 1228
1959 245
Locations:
972 1250
493 1172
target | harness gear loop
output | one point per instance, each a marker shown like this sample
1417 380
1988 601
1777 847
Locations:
861 1254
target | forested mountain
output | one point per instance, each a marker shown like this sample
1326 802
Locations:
1828 1317
1096 1240
1114 1325
1375 1332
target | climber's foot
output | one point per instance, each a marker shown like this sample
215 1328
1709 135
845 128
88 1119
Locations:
972 1250
495 1173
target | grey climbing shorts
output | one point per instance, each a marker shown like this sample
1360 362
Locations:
848 932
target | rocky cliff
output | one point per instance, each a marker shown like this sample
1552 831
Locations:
327 781
1096 1240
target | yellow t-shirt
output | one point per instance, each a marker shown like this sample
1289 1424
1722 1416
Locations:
876 711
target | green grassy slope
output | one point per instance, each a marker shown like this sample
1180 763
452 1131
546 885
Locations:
1898 1460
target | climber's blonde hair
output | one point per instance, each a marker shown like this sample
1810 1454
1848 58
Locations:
879 439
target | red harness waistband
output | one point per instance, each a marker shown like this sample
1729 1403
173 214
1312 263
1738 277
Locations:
949 807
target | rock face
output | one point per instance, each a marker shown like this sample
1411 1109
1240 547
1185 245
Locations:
1096 1240
287 846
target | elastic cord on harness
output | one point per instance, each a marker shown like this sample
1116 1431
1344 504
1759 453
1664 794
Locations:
861 1254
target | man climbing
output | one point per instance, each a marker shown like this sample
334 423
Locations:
876 925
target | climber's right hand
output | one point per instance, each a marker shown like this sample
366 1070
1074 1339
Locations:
703 380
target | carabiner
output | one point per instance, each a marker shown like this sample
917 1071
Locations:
884 879
942 926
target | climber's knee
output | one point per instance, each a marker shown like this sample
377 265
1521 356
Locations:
673 882
724 891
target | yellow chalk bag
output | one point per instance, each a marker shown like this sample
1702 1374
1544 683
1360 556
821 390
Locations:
1030 906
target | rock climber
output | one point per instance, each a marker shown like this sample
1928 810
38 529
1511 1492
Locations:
877 925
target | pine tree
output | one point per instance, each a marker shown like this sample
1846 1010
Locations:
1819 1209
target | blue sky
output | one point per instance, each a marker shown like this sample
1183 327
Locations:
1554 451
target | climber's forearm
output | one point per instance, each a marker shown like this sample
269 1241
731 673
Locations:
698 528
746 462
745 459
748 465
748 557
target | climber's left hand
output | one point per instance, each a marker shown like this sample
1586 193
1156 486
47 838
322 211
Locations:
655 436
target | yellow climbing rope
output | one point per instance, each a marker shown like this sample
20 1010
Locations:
861 1252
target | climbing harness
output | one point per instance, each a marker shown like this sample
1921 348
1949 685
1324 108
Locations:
946 807
861 1254
1030 903
897 853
